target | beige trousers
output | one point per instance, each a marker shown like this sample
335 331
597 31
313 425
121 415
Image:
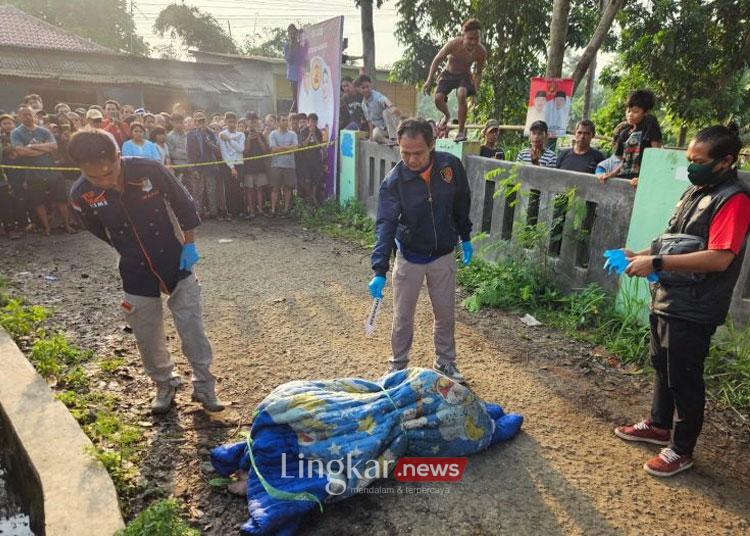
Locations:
408 278
146 318
391 120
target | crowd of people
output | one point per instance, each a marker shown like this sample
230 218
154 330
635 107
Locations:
639 131
234 166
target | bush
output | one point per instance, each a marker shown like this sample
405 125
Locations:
160 519
21 320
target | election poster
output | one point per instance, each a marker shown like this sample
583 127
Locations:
549 101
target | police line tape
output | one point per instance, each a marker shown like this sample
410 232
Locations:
180 166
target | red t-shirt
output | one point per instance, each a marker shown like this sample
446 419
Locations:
729 226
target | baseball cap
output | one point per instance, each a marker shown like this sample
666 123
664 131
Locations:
93 113
539 125
491 124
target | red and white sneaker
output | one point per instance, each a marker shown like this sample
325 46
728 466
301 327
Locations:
644 433
668 463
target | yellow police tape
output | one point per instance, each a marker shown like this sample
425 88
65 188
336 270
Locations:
179 166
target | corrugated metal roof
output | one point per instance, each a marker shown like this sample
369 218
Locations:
127 70
19 29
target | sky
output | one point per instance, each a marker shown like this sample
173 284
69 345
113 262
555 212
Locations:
247 17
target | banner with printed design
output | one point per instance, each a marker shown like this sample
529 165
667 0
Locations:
319 82
549 101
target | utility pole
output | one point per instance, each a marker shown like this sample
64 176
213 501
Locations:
229 27
132 7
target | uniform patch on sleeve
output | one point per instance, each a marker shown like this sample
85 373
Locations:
447 174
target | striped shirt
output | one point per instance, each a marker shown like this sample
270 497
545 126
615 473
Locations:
548 158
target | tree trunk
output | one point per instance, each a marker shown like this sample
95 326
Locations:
368 37
605 23
558 32
683 136
588 92
589 89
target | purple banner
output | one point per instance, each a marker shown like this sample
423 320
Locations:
319 83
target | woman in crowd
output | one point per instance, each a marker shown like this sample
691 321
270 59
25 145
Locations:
138 145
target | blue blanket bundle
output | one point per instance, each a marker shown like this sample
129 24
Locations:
316 442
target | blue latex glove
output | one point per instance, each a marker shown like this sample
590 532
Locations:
189 256
468 252
617 262
376 286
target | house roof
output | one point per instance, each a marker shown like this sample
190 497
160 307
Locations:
19 29
64 66
265 59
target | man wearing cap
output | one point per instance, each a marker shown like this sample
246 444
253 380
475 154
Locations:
94 118
538 154
202 147
490 133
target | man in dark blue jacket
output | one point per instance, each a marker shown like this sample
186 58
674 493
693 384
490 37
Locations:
423 210
138 207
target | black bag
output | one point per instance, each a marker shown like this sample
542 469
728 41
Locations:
675 244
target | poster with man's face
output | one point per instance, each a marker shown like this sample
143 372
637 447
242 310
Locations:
549 101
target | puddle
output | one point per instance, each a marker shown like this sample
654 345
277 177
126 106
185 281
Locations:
13 522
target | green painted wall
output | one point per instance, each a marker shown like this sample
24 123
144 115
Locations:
663 179
348 165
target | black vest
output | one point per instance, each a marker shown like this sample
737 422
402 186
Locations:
708 300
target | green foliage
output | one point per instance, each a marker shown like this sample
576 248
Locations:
162 518
514 33
350 221
693 54
727 367
106 22
111 365
51 356
195 29
271 46
21 320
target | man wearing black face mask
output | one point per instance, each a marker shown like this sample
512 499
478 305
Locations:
698 261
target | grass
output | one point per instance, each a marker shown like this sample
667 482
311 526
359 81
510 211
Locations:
162 518
349 222
117 443
21 320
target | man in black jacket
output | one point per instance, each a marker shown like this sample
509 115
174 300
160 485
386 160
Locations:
423 209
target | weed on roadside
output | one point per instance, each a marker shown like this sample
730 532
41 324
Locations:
162 518
349 221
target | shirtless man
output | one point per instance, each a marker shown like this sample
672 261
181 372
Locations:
461 53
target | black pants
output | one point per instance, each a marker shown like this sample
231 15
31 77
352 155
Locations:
678 351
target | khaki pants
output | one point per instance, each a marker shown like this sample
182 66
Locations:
146 318
390 132
441 285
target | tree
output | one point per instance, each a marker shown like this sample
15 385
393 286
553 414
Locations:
511 32
106 22
272 46
368 34
195 28
694 54
557 33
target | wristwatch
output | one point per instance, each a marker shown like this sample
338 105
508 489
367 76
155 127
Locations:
658 263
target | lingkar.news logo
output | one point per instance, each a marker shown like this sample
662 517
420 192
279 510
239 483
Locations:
341 471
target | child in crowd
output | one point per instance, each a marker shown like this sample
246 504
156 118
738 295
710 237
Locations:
159 138
642 132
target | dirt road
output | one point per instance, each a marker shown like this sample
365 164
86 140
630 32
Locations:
282 303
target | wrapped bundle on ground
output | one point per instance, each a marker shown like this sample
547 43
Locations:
315 442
